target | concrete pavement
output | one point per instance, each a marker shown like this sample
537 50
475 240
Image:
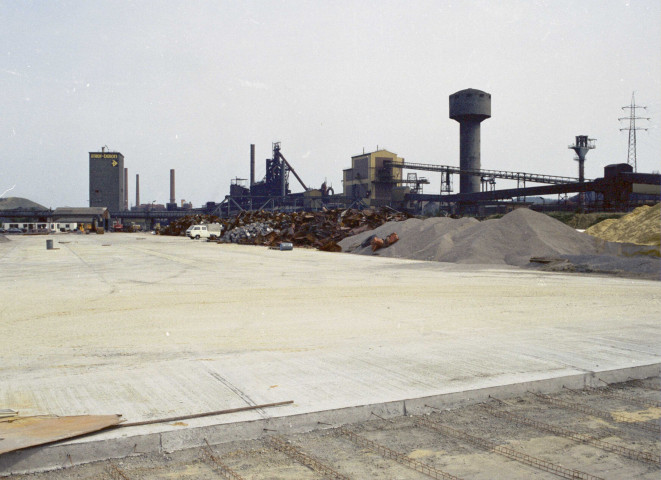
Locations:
152 327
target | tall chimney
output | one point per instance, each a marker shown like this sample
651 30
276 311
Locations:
126 189
252 164
137 190
172 198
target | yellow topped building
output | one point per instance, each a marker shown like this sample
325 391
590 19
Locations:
371 179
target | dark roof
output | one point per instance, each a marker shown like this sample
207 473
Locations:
80 212
472 91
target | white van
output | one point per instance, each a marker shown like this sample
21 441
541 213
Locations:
209 230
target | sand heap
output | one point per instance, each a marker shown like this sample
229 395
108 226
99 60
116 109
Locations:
512 239
642 227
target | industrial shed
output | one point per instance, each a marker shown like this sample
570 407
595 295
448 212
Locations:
93 216
370 179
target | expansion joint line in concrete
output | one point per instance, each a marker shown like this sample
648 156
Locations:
575 436
506 452
304 459
399 457
240 393
93 269
221 468
618 417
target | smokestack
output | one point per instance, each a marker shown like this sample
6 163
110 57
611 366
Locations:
252 164
172 199
137 190
126 189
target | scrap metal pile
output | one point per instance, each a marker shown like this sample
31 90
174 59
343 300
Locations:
179 226
320 230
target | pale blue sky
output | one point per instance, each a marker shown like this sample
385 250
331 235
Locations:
191 84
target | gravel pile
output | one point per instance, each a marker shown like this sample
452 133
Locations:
511 240
642 227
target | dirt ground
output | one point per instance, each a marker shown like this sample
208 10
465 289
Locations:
622 419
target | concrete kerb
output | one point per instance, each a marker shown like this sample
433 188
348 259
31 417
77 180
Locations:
66 454
579 381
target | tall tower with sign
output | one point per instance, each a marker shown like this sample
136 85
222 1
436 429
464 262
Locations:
107 180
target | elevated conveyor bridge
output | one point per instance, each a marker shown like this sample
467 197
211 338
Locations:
518 176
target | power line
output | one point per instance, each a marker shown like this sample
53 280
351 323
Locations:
631 154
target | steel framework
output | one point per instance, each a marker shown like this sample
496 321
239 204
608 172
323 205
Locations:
506 452
399 457
304 459
631 151
222 469
521 177
575 436
617 417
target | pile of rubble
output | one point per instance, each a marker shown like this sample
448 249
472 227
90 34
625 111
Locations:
179 226
247 233
322 230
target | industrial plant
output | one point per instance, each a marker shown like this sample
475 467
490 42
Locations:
189 352
378 179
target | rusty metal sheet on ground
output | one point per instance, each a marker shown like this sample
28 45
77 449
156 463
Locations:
23 432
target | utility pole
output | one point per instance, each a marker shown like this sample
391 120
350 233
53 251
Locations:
631 155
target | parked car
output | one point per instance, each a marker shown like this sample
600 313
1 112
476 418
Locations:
208 230
14 230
